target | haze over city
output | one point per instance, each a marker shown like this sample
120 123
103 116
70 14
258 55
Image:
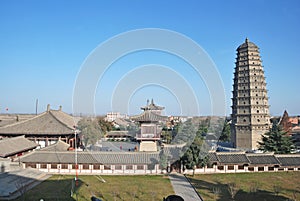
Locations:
44 45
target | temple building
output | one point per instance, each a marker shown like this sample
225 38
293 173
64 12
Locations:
250 108
44 129
150 130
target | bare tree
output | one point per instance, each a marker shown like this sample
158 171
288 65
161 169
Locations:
232 189
153 195
295 195
216 191
276 189
254 187
133 192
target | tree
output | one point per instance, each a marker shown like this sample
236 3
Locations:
90 130
105 126
232 189
276 140
193 157
225 135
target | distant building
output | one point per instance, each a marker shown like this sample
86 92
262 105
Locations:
291 125
153 108
112 116
150 130
44 129
250 108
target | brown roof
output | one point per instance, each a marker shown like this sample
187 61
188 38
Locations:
52 122
14 145
147 115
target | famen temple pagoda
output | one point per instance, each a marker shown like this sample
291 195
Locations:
250 108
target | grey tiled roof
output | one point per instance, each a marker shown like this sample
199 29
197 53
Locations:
255 159
247 44
14 145
212 157
53 122
289 160
148 116
58 146
262 159
92 157
232 158
174 152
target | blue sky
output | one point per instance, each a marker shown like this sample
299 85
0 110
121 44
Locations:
43 45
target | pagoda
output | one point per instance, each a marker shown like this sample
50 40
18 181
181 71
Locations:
150 129
250 108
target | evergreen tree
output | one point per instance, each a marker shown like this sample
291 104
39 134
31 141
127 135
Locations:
276 140
192 157
225 135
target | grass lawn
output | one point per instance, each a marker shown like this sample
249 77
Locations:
58 187
278 186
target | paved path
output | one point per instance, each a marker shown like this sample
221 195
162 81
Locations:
183 188
24 179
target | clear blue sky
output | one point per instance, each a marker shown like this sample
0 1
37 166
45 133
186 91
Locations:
44 43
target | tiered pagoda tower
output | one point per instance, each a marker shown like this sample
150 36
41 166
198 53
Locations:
150 130
250 108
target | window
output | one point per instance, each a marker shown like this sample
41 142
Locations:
258 120
140 167
85 166
118 167
64 166
257 111
43 165
96 167
107 167
129 167
244 120
53 166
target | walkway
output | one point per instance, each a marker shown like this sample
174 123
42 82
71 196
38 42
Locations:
183 188
14 182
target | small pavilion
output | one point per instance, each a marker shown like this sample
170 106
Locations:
150 130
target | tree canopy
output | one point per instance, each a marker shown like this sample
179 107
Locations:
276 140
225 135
90 130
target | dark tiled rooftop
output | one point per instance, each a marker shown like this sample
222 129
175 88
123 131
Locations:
289 160
232 158
262 159
14 145
92 157
51 122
